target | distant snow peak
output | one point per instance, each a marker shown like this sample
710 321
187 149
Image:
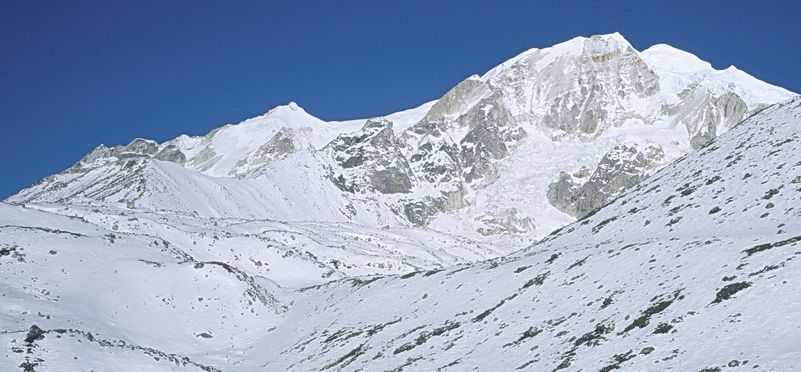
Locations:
291 108
676 60
604 47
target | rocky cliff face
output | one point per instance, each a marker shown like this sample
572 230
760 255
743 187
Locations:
548 136
622 167
370 160
283 143
436 158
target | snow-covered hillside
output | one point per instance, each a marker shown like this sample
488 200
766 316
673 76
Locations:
542 139
573 208
694 268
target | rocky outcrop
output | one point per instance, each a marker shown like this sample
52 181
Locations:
492 135
370 159
434 158
138 148
278 147
716 114
509 222
432 154
620 168
593 92
457 100
171 153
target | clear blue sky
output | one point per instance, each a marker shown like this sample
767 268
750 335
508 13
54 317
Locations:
74 74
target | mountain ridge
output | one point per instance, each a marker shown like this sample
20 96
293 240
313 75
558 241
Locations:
453 155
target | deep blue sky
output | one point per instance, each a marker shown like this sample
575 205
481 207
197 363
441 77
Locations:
76 74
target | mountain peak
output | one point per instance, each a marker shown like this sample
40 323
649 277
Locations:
292 106
290 114
594 45
613 41
676 60
614 37
603 47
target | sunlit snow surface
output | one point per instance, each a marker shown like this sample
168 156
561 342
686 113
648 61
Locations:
695 268
242 256
643 99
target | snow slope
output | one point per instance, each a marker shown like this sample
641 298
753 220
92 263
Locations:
693 268
278 243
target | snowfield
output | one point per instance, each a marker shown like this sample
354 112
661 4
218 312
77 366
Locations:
579 207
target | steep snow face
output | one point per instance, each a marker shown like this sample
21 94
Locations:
533 144
227 149
685 69
696 268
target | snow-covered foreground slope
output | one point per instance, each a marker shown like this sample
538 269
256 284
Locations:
542 139
106 295
694 268
118 286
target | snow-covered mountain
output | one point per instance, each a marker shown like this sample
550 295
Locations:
692 269
533 144
443 236
697 268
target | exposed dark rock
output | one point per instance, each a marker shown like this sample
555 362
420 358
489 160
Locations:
766 246
645 318
529 333
347 358
726 292
372 158
594 337
34 334
425 336
663 328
